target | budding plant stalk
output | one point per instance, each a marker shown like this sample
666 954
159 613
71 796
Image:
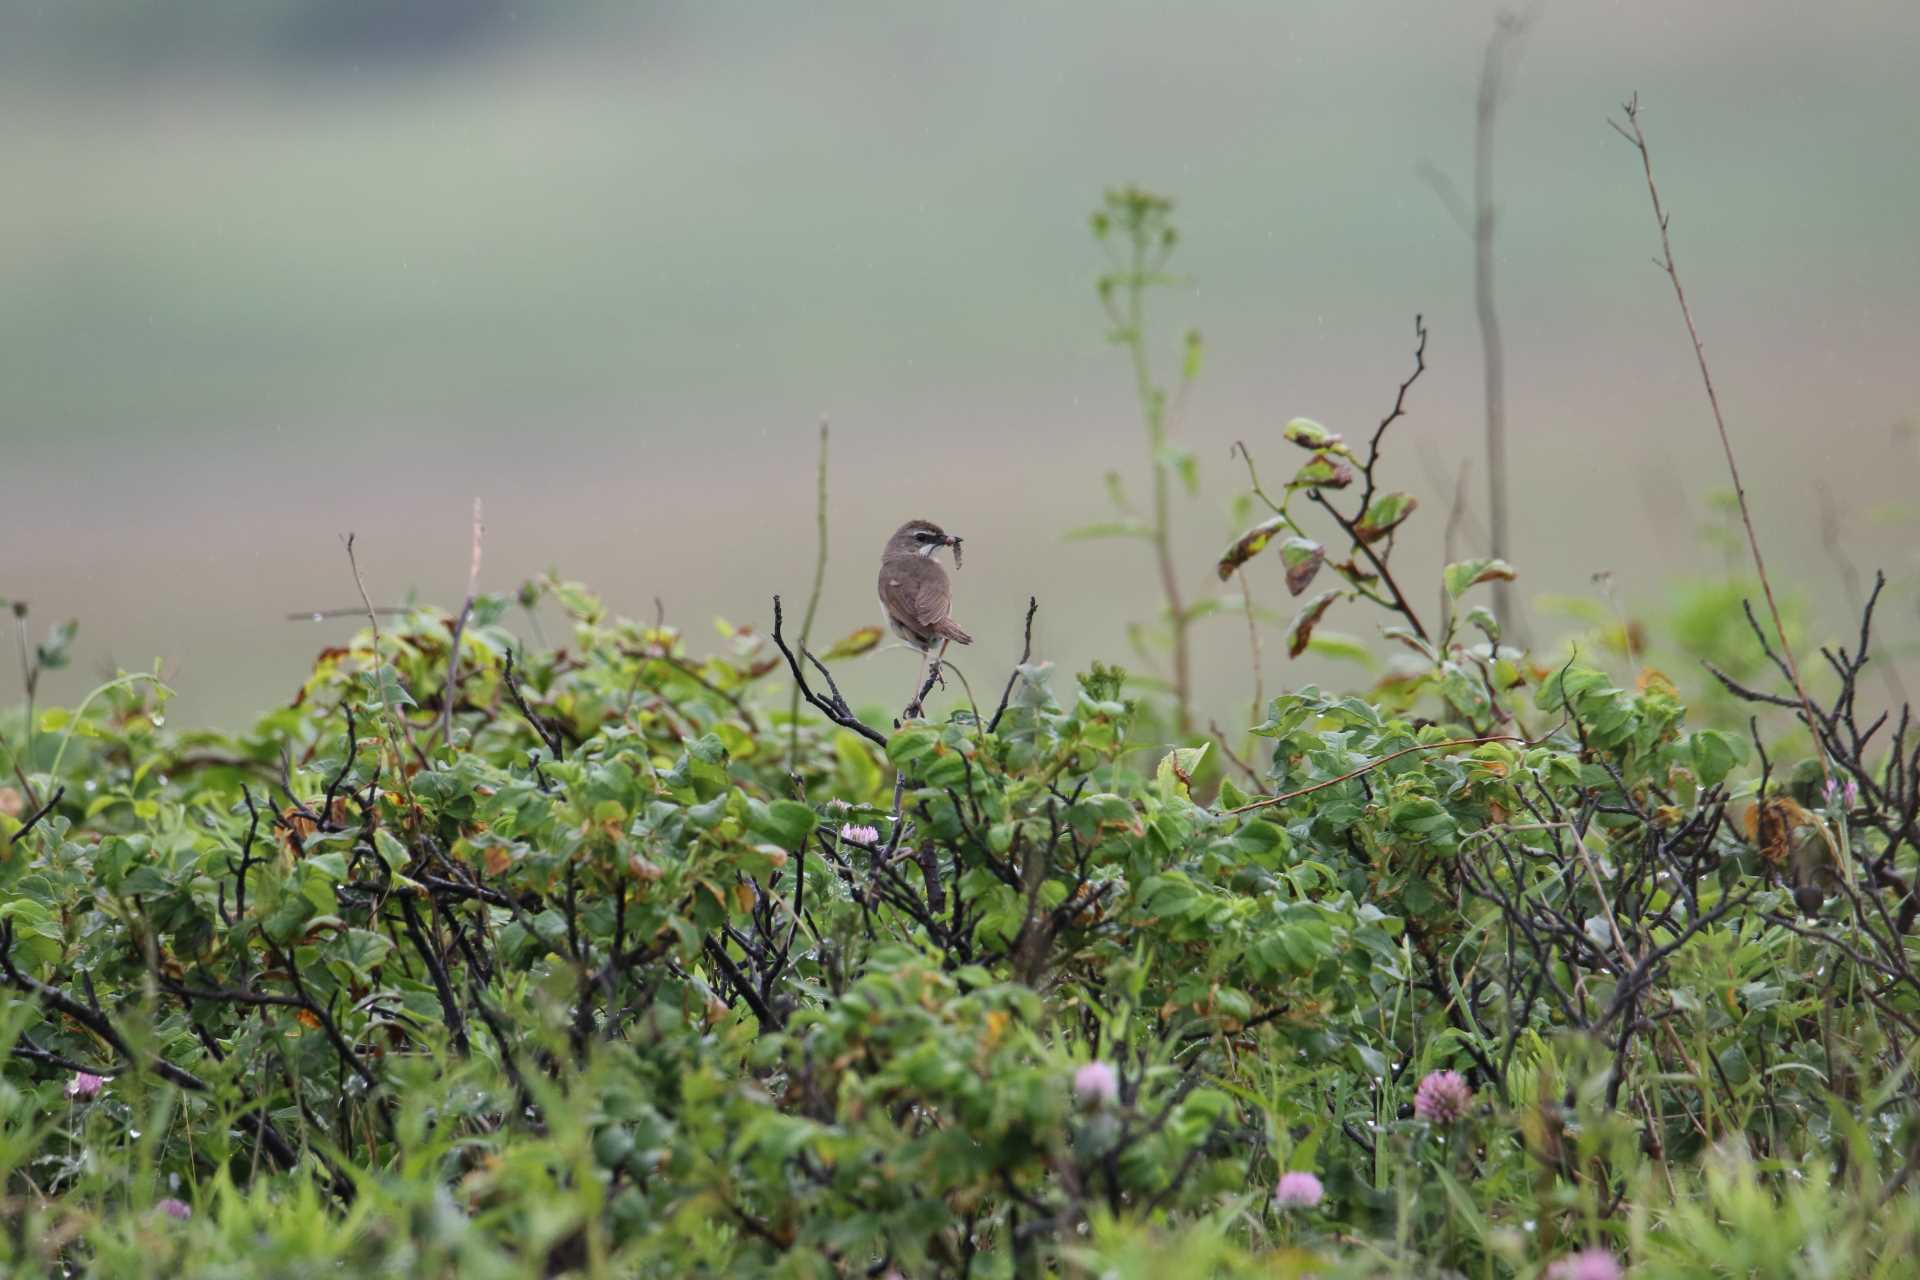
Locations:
1144 223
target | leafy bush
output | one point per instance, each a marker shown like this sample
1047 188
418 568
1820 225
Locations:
514 960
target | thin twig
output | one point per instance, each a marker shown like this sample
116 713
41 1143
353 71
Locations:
350 611
834 708
813 596
547 735
459 628
1494 70
1660 216
1253 643
1370 766
34 818
388 719
1026 655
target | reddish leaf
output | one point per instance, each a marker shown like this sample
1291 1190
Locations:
1303 558
1384 514
1250 544
1301 630
1309 434
1323 471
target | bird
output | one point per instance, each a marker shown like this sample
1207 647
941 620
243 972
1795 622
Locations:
915 592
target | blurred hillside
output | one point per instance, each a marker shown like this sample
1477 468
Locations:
271 271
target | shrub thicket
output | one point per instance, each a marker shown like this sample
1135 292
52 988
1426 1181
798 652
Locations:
590 960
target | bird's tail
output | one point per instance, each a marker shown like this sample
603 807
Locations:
952 631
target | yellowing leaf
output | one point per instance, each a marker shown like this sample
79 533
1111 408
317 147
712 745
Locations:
1384 514
1467 573
854 643
1323 471
1250 544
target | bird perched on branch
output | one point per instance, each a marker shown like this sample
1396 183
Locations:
915 592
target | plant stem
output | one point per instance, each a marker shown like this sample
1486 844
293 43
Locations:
1153 409
813 598
1507 30
1639 141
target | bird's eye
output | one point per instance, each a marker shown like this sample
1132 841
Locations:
924 536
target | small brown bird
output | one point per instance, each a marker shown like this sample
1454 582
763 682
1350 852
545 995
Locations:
914 589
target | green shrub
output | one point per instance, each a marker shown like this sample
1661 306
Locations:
595 960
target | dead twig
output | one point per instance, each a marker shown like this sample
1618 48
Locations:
451 695
1632 132
1026 655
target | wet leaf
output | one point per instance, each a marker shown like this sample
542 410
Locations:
1178 766
854 643
1303 558
1323 471
1301 630
1469 573
1250 544
1309 434
1384 514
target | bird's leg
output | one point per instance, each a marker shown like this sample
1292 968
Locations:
919 682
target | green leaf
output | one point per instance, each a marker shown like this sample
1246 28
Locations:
388 689
1177 768
1110 529
391 851
1468 573
1180 460
859 774
1322 471
1340 646
912 744
1300 632
1303 558
360 950
854 643
1714 754
1309 434
1384 514
787 821
1252 543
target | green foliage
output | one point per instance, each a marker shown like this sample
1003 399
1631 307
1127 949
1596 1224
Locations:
597 959
651 1004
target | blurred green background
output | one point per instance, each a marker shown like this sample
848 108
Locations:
273 270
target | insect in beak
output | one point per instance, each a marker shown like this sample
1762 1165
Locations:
955 544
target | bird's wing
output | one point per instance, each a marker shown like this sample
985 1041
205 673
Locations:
917 590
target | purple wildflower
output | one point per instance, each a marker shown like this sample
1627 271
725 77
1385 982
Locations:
1297 1190
1588 1264
1442 1098
84 1085
1097 1084
175 1208
861 835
